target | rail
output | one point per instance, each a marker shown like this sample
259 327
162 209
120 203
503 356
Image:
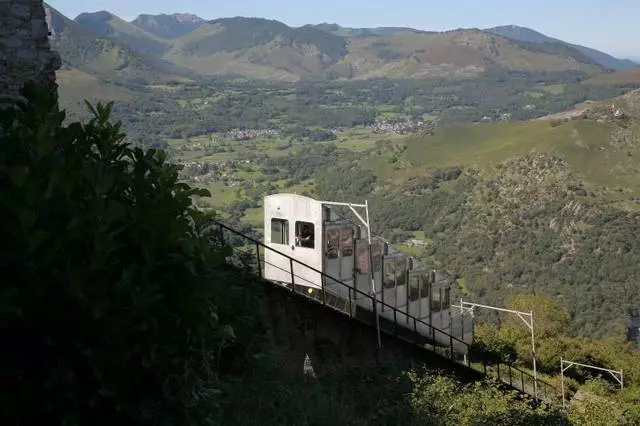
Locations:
505 373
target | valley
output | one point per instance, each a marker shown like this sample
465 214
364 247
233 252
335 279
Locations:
492 142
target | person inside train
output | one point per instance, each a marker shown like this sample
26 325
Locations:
305 237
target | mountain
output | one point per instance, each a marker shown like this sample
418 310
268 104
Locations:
168 26
82 49
106 24
515 32
260 48
268 49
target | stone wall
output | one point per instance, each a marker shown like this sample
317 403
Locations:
333 341
25 53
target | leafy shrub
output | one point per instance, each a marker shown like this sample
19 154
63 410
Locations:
110 277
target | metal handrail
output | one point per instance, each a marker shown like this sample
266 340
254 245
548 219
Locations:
411 319
382 303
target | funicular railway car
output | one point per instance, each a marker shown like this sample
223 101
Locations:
348 257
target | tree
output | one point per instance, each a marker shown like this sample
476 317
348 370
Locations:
111 296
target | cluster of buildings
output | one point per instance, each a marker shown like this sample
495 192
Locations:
402 127
247 134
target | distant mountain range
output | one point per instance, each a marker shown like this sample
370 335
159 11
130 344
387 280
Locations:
182 46
528 35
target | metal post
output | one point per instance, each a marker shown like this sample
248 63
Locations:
533 354
451 347
293 286
259 263
562 382
373 280
324 294
395 322
510 376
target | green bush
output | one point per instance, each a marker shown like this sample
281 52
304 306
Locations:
110 278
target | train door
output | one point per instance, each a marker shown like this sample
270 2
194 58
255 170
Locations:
332 252
363 266
278 266
376 253
347 258
389 281
402 266
425 286
416 279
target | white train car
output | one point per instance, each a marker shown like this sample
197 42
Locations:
324 245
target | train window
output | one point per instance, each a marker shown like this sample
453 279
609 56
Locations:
389 273
333 241
446 298
363 258
376 252
347 242
414 288
305 236
280 231
436 306
401 271
424 287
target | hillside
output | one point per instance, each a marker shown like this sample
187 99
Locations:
261 48
528 35
544 206
460 52
168 26
630 76
82 49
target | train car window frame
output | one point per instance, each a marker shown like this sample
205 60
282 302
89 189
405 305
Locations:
301 227
436 302
346 244
424 288
415 282
376 253
363 258
281 226
445 303
401 263
388 284
333 243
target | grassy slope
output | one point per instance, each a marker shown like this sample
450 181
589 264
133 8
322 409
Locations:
75 86
582 143
620 77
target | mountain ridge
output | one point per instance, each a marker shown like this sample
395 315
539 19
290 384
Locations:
104 57
528 35
268 49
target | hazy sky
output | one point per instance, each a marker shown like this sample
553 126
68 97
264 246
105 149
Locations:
608 25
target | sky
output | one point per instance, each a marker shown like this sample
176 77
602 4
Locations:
607 25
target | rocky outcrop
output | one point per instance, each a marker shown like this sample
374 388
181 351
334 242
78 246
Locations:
25 53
